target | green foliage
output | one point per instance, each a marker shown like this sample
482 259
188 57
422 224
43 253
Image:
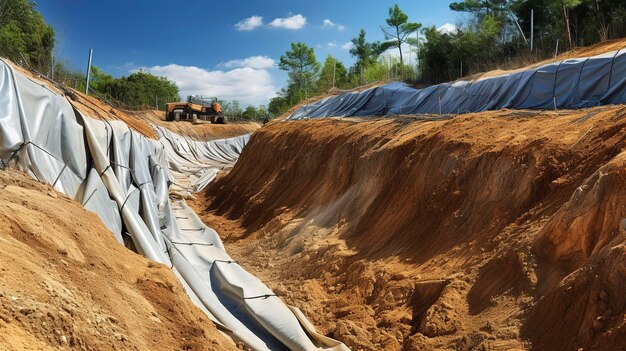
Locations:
303 68
443 54
366 53
138 89
99 80
388 69
491 37
277 105
482 8
72 78
399 29
331 67
23 30
363 52
250 112
231 109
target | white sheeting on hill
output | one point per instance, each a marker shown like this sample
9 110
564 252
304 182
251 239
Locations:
124 178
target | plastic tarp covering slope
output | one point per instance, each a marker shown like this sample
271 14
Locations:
194 164
124 178
572 83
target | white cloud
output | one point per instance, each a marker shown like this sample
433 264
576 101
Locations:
331 44
447 28
248 85
347 45
256 62
408 53
330 24
249 23
294 22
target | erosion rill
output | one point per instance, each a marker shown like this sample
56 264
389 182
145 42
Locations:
498 229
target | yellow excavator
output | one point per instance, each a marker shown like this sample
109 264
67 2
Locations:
206 108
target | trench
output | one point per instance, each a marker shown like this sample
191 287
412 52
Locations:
127 180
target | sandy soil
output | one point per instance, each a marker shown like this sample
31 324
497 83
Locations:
66 284
202 130
488 231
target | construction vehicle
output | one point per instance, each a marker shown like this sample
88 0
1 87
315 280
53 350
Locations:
206 108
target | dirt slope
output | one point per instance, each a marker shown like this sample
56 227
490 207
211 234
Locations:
499 230
201 131
581 52
66 284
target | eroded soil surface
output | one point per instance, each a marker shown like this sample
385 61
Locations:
65 283
497 230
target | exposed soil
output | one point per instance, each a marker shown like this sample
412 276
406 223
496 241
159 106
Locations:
586 51
203 130
142 121
498 230
65 283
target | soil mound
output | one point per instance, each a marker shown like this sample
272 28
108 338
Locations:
65 282
496 230
201 131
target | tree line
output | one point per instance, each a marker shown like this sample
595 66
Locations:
25 38
493 34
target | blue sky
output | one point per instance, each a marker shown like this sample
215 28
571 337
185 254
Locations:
221 48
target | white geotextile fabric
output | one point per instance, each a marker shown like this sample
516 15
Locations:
194 164
124 177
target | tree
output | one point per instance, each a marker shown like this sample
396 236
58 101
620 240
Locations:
366 53
566 5
23 30
435 55
138 89
99 80
399 29
250 112
302 66
333 74
261 111
232 109
482 8
277 105
362 50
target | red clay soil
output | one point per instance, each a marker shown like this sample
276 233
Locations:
65 283
488 231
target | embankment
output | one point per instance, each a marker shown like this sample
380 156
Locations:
500 229
65 283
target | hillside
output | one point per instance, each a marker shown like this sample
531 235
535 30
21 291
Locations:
67 284
496 230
